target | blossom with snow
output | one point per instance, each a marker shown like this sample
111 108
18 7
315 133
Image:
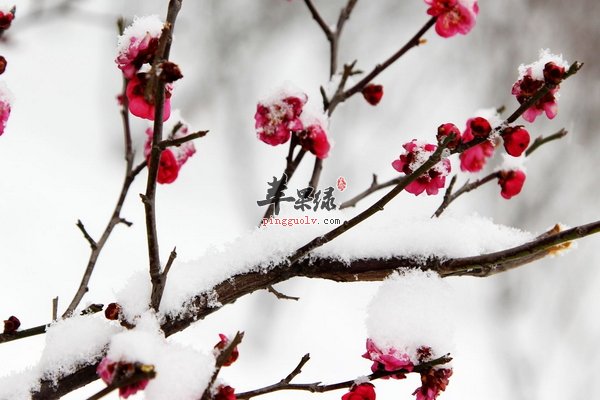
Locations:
373 93
549 69
516 139
364 391
390 359
277 118
474 158
109 370
138 44
225 392
453 16
433 382
314 139
223 343
511 182
416 154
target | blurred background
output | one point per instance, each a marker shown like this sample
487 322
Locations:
529 333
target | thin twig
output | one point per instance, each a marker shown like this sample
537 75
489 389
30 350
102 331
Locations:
379 68
179 141
541 140
172 257
87 236
318 387
371 189
281 296
115 219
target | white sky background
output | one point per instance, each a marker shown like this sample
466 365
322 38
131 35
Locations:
525 334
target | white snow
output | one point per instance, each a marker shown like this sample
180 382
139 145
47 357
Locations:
512 163
383 236
6 8
138 29
71 343
412 309
286 89
537 67
5 94
182 373
75 342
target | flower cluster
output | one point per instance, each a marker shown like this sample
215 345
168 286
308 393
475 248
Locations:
137 49
433 380
453 16
277 119
549 70
416 154
474 158
109 371
173 158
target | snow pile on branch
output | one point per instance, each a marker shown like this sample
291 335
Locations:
70 344
261 249
412 309
181 372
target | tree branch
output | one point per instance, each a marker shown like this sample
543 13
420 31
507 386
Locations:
162 55
179 141
318 387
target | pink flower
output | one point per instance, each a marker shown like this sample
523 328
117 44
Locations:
138 105
474 158
276 120
138 45
314 139
453 16
516 139
416 154
108 370
433 382
364 391
168 169
511 183
4 113
173 158
223 343
225 393
388 360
